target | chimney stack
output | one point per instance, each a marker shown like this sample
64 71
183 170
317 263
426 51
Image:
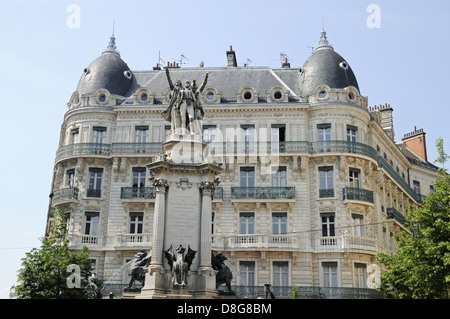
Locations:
415 141
231 57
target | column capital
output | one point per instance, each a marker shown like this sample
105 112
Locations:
160 184
207 187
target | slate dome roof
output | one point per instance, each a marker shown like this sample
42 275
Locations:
326 67
108 71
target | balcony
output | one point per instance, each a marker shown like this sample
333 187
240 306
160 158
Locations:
344 243
290 147
136 148
392 213
134 241
259 242
263 194
94 193
357 194
83 149
65 195
326 193
218 194
275 242
137 193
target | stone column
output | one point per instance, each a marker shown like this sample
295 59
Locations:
155 283
207 189
158 221
207 279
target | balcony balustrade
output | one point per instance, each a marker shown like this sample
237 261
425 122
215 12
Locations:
83 149
94 193
134 240
326 193
392 213
262 193
64 195
136 148
300 243
359 194
137 193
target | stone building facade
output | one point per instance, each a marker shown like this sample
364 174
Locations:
313 184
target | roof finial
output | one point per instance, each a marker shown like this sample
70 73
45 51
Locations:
111 48
323 43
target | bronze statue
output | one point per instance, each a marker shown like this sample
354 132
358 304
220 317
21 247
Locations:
136 271
179 264
185 111
224 275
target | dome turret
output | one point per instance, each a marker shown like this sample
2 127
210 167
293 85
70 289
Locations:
326 67
108 71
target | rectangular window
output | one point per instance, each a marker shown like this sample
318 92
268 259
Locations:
279 223
279 176
99 134
213 216
247 176
330 274
354 177
351 133
70 177
278 133
247 223
75 135
139 177
326 185
360 277
141 134
247 273
281 273
209 133
247 133
91 223
324 132
416 186
136 222
328 226
167 130
358 225
95 182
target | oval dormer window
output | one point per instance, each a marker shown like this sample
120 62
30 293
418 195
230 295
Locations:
127 74
343 65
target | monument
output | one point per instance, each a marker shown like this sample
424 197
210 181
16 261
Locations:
184 181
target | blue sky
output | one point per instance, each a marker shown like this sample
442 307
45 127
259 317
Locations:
403 62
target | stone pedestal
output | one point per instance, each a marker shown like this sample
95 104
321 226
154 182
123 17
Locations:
184 182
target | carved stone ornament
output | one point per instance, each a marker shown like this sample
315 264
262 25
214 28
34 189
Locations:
160 183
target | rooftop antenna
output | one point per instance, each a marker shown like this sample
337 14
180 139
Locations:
312 49
114 26
283 57
161 62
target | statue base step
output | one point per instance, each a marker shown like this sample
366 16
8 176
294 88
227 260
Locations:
180 293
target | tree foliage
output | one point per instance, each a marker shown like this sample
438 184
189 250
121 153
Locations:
421 267
44 273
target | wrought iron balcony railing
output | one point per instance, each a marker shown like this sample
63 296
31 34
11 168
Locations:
65 194
392 213
136 148
137 192
262 192
83 149
360 194
95 193
326 193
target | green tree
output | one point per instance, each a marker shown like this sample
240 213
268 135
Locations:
45 272
421 267
443 157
